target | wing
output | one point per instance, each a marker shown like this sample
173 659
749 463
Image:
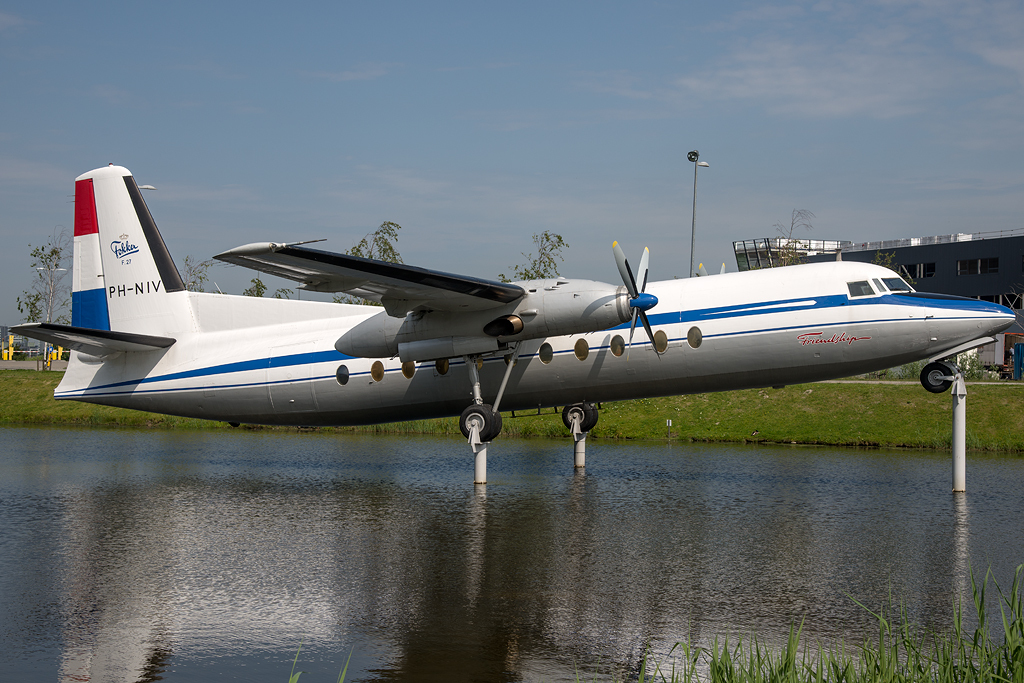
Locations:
399 287
93 342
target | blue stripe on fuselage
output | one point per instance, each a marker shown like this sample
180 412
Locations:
743 310
240 366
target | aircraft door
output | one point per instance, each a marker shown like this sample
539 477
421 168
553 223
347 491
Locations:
288 378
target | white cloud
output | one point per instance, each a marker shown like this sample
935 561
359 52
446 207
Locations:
875 60
111 94
366 71
21 172
620 83
9 21
875 75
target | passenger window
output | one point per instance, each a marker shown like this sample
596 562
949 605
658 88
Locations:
861 288
896 284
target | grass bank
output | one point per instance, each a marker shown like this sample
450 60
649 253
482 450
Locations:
841 414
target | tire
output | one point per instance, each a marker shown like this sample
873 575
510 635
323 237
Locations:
587 413
489 422
932 377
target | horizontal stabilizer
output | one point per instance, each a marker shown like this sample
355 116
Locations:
399 287
92 342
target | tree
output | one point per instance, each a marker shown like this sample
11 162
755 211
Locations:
48 298
789 254
282 293
379 245
257 289
543 264
887 259
194 274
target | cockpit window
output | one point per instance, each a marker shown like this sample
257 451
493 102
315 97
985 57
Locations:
879 287
896 284
861 288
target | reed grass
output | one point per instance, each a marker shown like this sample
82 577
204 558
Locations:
900 653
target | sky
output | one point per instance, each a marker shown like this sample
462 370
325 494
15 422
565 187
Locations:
477 125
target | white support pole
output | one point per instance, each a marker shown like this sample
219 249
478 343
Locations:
579 451
959 434
579 437
480 469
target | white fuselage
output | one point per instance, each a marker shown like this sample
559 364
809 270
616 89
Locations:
274 361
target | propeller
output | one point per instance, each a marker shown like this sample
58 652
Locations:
639 301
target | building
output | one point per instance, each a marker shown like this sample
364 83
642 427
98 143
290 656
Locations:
768 252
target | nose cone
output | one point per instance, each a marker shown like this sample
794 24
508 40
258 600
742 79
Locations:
644 302
1003 319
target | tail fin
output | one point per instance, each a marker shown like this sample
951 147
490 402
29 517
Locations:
123 279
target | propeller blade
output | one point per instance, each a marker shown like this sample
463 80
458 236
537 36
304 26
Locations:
624 272
641 273
636 314
650 333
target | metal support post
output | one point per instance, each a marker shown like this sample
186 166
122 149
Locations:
508 372
959 433
579 446
579 451
480 465
480 455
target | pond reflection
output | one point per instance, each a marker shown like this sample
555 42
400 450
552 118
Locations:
130 555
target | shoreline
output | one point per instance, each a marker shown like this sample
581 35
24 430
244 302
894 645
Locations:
849 413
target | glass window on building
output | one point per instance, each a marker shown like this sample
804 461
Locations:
976 266
918 271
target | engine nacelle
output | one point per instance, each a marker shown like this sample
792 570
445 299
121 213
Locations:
550 308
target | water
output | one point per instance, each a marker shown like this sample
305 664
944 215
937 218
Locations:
133 555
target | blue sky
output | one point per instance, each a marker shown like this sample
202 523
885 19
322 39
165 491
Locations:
476 125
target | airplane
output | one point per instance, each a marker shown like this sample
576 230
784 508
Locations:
442 344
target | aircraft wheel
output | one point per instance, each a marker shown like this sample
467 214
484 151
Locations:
933 374
586 413
487 421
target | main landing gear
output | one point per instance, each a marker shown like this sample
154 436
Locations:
480 423
579 419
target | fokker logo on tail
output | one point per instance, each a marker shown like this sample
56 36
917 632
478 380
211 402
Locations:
123 247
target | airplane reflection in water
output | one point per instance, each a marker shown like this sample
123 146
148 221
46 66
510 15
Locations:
447 345
185 567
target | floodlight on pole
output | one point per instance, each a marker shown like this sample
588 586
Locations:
694 156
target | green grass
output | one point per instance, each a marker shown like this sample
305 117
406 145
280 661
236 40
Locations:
899 653
890 415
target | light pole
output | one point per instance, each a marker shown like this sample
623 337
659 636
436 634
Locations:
694 156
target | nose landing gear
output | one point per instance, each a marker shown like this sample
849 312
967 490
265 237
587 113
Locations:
938 376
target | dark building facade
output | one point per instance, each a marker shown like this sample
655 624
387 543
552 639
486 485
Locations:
976 266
